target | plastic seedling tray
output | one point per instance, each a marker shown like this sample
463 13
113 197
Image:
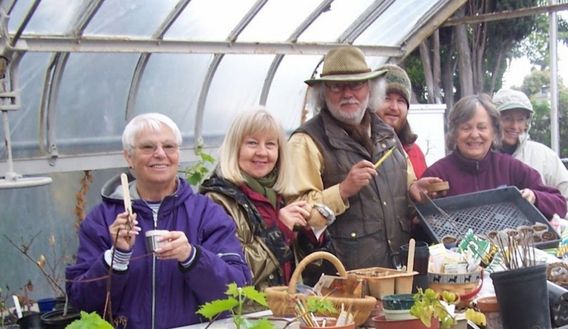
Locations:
482 212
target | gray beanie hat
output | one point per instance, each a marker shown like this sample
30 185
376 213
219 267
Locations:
508 99
397 80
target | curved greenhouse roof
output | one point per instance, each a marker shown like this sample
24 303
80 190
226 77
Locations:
81 69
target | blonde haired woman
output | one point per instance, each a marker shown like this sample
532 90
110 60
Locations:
250 183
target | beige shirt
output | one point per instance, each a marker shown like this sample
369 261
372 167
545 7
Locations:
308 162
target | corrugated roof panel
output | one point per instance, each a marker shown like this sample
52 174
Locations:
50 17
277 20
331 24
129 18
396 22
209 20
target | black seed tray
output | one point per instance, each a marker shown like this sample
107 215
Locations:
484 211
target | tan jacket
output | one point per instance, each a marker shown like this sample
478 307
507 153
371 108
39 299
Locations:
263 263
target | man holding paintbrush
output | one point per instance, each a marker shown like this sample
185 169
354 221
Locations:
350 161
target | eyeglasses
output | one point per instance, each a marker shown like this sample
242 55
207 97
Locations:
339 87
150 148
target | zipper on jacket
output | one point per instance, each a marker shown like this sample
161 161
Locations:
155 217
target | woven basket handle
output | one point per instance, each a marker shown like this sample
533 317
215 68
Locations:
310 258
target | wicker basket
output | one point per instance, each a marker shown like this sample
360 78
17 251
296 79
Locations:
281 299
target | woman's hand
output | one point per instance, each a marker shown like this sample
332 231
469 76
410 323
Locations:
124 231
294 213
174 245
529 195
420 187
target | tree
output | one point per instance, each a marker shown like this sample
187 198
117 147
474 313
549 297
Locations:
536 86
471 58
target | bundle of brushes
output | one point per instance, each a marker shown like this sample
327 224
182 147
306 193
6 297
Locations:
516 249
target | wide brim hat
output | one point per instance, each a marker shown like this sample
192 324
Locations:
510 99
345 64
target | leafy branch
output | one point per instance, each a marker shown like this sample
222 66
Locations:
41 263
199 170
236 297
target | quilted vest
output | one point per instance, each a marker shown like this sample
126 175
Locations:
377 221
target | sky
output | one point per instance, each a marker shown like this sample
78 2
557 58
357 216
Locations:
520 67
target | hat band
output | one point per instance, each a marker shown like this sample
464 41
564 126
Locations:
344 72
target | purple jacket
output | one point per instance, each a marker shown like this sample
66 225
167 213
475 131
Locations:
179 291
496 170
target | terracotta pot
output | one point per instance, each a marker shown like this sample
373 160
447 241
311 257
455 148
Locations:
330 324
382 323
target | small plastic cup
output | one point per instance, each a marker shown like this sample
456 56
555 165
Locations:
153 239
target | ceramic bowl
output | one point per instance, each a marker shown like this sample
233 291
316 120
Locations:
398 302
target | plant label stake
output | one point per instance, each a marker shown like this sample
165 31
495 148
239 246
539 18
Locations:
127 201
411 248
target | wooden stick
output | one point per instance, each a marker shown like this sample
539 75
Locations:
126 192
384 157
411 249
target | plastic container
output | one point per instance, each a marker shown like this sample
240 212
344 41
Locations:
421 261
385 281
523 297
482 212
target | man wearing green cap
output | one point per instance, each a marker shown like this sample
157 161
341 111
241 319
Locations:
394 111
348 160
516 113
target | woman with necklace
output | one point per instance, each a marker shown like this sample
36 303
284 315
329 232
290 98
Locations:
198 253
250 183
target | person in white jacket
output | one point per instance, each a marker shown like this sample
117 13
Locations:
516 113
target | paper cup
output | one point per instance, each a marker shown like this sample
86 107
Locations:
153 239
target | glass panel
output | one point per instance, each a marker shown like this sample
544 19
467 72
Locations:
235 87
92 101
286 98
204 19
171 84
395 23
50 17
331 24
133 18
24 122
276 21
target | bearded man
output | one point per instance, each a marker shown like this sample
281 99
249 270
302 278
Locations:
336 156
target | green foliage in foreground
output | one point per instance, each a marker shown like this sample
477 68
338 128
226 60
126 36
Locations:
234 303
89 321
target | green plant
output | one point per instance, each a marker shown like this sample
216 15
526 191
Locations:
89 321
199 170
234 303
429 304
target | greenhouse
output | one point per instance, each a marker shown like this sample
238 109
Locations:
75 73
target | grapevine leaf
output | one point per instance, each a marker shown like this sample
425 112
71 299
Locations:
210 310
89 321
251 293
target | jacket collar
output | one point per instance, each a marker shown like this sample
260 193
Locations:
471 165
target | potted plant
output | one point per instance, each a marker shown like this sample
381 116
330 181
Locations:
429 305
57 318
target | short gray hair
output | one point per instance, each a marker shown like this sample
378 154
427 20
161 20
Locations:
151 121
464 110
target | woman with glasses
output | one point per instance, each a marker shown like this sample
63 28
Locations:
250 183
474 131
197 253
